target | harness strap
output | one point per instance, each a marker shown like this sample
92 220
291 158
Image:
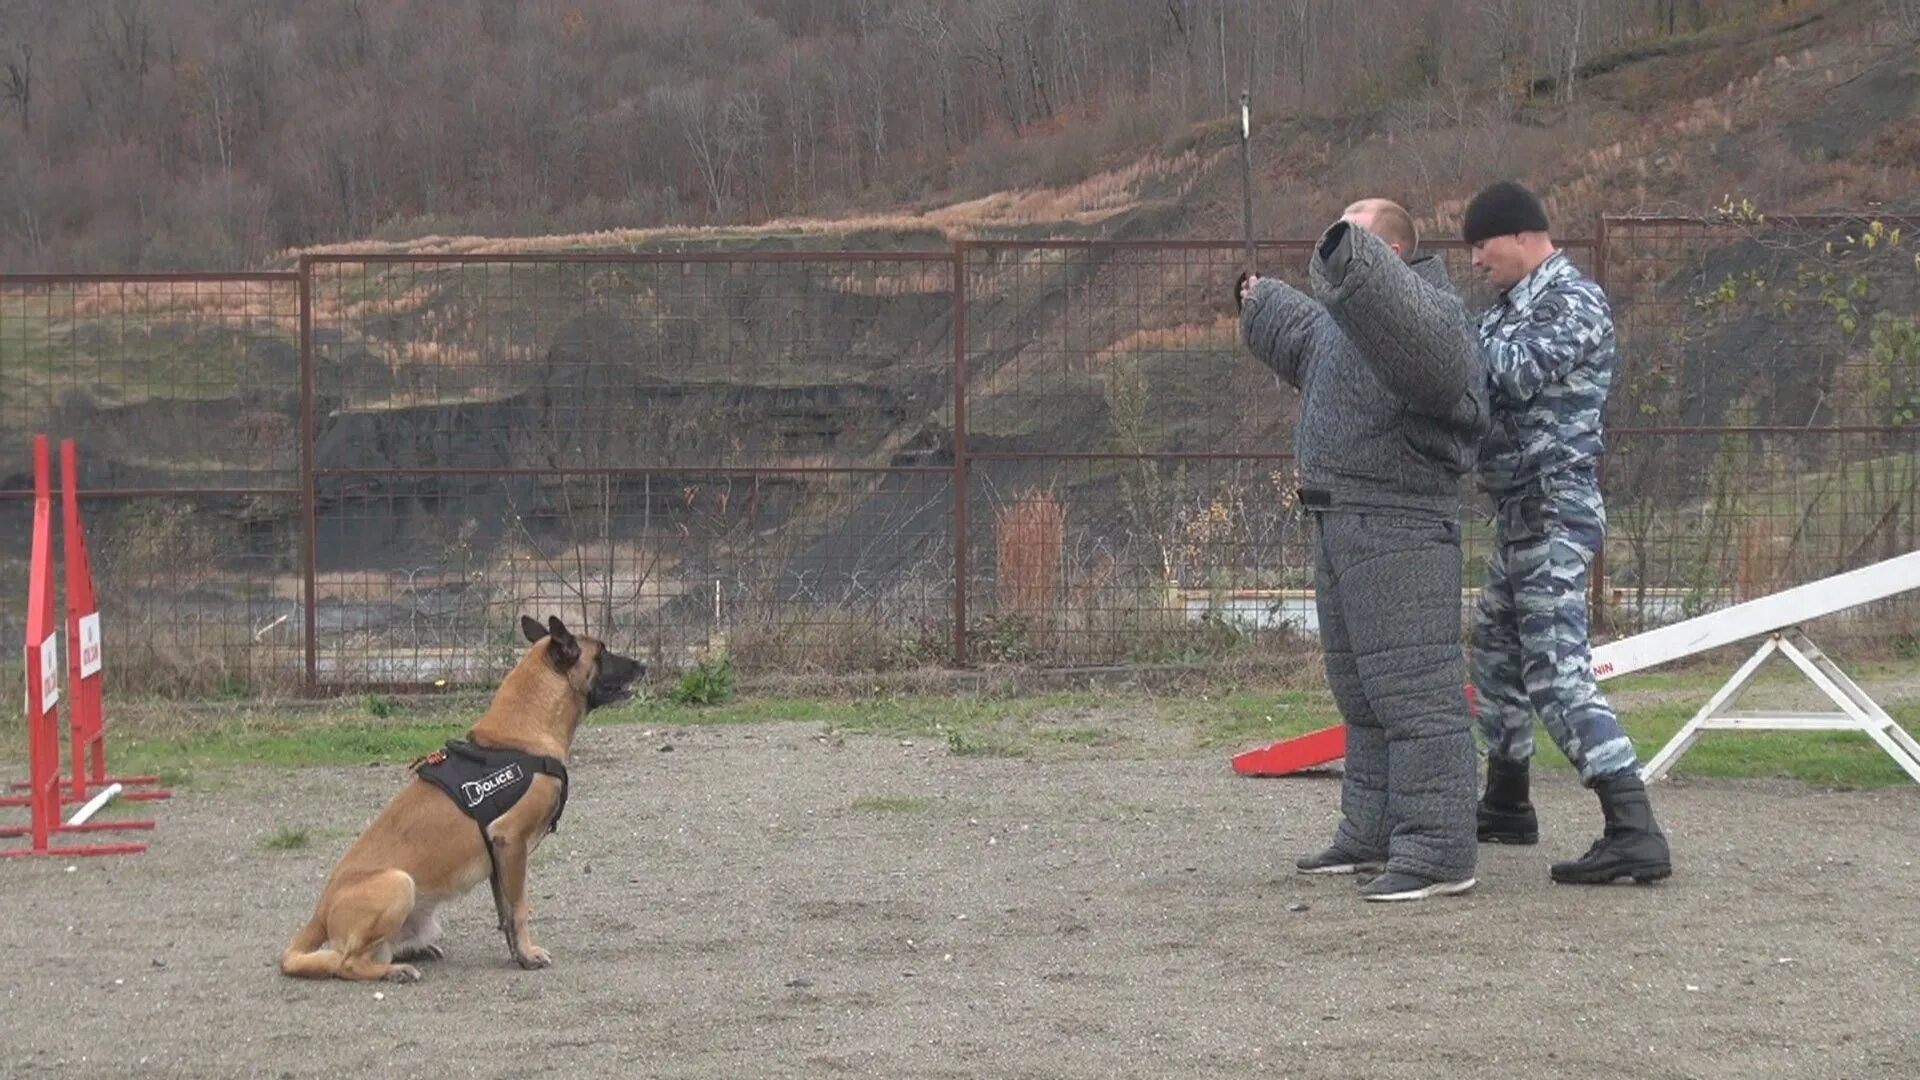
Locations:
476 779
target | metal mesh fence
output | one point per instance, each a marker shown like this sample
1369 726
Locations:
1761 425
684 453
1109 389
182 393
360 473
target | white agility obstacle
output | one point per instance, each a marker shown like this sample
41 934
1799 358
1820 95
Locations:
1779 617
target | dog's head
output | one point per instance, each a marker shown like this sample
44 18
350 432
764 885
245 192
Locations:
595 672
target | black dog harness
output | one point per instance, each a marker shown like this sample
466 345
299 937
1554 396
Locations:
485 782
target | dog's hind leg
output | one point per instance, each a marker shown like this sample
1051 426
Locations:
416 938
304 958
363 921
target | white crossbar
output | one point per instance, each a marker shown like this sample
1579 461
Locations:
1858 712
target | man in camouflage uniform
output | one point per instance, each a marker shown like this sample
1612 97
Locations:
1549 350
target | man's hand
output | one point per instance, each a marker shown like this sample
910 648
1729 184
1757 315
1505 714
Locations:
1244 288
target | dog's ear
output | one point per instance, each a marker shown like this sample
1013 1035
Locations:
532 628
564 647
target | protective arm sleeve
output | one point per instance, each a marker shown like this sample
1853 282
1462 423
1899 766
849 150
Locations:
1279 324
1416 336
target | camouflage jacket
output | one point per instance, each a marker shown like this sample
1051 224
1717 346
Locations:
1549 350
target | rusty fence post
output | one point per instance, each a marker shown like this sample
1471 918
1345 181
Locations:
309 512
960 453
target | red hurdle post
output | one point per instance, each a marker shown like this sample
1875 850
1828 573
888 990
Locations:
86 721
43 697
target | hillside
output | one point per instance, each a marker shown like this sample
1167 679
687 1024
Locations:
528 367
210 134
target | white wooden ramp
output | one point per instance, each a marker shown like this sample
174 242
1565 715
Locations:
1779 617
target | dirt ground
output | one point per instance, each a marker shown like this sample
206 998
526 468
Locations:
768 902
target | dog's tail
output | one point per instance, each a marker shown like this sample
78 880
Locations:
303 956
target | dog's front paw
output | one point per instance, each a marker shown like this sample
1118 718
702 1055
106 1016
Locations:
534 957
422 952
403 973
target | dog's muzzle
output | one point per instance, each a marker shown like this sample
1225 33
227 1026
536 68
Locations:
613 683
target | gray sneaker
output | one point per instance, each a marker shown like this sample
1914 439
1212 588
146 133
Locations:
1335 861
1398 885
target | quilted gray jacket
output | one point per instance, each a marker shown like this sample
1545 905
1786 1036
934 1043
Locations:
1392 382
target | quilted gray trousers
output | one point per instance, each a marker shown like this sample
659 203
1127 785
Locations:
1387 590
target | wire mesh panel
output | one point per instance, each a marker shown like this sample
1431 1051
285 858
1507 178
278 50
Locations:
1762 424
704 453
1107 386
1112 349
781 454
829 570
181 393
1136 559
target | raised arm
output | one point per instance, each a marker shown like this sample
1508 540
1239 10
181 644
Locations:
1415 335
1279 324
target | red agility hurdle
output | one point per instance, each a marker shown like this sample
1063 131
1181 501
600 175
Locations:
86 721
1312 750
46 789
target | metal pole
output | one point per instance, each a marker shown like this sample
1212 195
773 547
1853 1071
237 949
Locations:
960 453
1246 173
309 498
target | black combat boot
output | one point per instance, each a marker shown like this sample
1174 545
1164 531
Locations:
1632 846
1506 815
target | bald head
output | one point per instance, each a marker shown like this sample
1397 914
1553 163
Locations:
1387 220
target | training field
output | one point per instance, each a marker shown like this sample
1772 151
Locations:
1076 886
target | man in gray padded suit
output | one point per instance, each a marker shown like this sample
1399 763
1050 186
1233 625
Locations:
1393 403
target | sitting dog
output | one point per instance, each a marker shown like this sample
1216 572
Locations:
509 776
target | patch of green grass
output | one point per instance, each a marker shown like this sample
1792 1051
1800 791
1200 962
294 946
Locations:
1828 759
1081 736
1652 705
964 742
893 804
173 776
1822 758
1248 717
182 357
285 838
320 741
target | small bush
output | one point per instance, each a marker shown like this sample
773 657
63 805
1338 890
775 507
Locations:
709 683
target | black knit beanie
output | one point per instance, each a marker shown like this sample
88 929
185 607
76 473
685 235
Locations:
1502 209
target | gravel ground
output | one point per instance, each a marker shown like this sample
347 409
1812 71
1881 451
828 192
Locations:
768 901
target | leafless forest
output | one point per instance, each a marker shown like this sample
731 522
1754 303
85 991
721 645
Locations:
166 134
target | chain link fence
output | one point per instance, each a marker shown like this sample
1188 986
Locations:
357 474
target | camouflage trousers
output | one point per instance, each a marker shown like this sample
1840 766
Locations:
1530 653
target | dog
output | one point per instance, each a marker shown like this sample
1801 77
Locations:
376 910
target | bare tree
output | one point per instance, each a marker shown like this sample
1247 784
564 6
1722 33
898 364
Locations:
1570 24
703 125
19 84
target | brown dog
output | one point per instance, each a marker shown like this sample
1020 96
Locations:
425 849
